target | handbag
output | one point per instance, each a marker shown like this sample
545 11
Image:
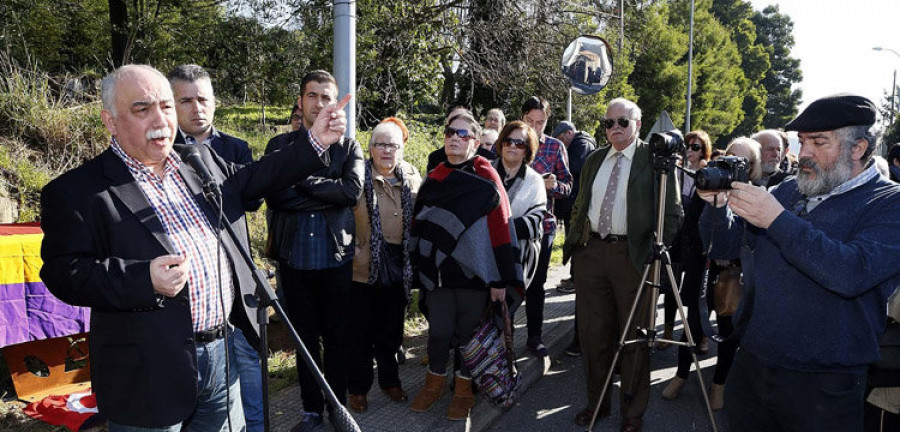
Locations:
727 291
390 272
490 358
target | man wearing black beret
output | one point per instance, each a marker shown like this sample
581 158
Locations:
820 255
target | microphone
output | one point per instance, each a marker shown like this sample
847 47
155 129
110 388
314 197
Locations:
191 155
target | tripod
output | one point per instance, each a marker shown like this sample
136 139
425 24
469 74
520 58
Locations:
664 165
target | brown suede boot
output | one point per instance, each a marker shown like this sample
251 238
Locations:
463 399
430 393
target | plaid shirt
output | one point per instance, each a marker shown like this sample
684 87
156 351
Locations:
313 247
190 233
551 157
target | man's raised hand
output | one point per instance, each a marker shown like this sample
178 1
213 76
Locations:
331 122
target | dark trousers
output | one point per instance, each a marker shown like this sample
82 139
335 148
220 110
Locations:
690 297
376 323
607 287
453 315
761 398
534 294
317 306
567 225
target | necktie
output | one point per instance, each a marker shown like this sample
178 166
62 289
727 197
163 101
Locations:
604 228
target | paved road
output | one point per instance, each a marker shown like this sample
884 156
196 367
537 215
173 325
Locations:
552 402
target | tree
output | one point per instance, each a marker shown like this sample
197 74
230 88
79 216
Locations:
660 69
736 15
716 102
775 32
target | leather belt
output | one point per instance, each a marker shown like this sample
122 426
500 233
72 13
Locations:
611 238
210 335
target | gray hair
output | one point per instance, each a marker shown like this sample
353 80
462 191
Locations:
755 160
108 85
474 127
500 115
385 128
187 73
633 110
848 135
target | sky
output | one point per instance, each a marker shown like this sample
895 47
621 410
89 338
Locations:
834 40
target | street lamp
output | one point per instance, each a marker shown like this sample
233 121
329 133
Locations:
894 86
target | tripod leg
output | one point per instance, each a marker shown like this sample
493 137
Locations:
621 344
676 292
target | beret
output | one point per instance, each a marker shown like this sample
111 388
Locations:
563 126
834 112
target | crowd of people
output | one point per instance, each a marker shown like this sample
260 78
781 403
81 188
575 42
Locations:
798 262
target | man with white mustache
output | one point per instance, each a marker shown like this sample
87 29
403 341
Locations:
130 235
820 255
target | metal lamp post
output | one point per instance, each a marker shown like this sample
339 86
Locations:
894 107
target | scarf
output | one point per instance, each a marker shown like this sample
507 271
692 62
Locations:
375 224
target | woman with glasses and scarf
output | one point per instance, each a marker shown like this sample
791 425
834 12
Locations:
382 271
462 255
516 146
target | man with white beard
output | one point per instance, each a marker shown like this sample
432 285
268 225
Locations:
771 142
820 255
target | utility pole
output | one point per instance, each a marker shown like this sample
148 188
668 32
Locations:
345 57
687 113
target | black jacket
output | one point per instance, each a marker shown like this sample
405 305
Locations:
578 150
100 234
333 190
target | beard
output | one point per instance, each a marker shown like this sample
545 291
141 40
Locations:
826 179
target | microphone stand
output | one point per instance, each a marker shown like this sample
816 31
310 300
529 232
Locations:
265 297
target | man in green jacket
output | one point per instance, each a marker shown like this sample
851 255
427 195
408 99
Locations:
613 224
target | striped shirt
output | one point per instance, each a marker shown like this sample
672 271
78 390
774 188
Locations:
191 234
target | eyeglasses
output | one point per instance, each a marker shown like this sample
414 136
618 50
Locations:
462 133
695 147
295 117
386 146
515 143
622 121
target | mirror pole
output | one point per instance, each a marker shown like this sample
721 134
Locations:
569 106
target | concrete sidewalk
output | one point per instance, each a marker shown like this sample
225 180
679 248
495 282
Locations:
386 416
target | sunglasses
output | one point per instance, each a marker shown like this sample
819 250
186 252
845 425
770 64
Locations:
386 146
515 143
462 133
695 147
622 121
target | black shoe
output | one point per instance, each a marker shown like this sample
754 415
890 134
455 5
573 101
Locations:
574 349
566 286
536 347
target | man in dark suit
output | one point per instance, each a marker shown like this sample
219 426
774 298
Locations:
130 235
613 223
195 104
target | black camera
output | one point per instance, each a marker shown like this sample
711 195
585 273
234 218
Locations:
666 143
719 173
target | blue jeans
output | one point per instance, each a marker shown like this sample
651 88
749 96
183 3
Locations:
251 381
210 415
